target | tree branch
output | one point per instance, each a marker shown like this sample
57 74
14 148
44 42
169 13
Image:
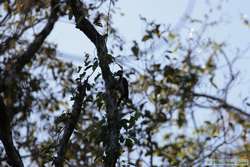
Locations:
29 54
13 156
224 104
71 124
93 35
112 145
5 45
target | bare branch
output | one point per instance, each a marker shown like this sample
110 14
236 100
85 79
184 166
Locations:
224 104
4 19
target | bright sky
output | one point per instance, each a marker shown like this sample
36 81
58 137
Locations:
71 41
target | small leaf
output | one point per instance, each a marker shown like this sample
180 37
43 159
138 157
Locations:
70 15
146 37
124 123
97 20
97 76
231 125
171 36
95 65
129 142
181 120
135 49
79 69
88 67
208 122
82 75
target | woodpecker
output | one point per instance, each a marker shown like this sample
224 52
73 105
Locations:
122 86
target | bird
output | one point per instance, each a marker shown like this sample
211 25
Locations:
122 86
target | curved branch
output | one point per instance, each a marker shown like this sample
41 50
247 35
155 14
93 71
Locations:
224 104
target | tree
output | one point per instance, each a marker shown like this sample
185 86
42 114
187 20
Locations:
87 120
